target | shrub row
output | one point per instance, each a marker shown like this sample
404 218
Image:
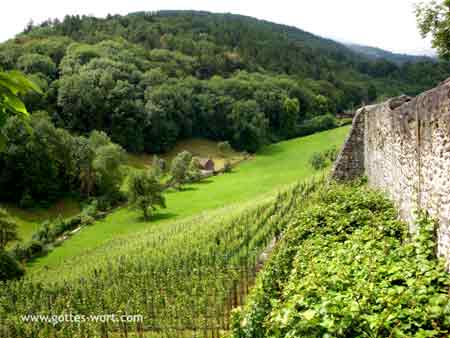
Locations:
52 233
316 124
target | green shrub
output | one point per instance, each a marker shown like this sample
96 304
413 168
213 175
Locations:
18 252
194 174
316 124
8 229
9 267
224 148
44 239
91 209
111 200
62 225
346 121
321 160
29 250
318 161
34 249
44 233
332 153
86 220
72 222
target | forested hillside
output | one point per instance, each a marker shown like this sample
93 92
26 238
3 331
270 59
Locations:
149 79
378 53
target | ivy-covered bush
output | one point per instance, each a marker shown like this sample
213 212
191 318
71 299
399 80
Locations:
346 268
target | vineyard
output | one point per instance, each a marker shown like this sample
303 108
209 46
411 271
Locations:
184 281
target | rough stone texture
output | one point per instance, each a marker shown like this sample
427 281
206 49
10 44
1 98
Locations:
391 158
350 162
406 152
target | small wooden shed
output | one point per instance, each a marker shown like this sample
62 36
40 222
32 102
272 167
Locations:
206 164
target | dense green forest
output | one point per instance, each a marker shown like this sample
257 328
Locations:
150 79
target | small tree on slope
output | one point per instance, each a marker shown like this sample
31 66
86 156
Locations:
145 193
179 169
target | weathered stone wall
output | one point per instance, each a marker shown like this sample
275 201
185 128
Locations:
406 152
391 158
433 111
350 162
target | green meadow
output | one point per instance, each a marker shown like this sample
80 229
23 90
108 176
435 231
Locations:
273 168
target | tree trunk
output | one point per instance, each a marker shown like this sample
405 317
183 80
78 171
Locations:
145 211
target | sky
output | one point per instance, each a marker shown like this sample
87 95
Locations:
388 24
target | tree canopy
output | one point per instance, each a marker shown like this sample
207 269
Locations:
434 19
150 79
145 192
41 162
143 81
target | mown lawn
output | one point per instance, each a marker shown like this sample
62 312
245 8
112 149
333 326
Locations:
272 168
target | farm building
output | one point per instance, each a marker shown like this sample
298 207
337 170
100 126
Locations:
206 164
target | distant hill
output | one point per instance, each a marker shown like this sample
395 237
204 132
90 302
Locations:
378 53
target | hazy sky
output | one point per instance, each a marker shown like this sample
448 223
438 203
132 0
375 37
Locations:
389 24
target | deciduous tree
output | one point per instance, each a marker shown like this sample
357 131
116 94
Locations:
249 126
434 19
289 117
179 169
145 192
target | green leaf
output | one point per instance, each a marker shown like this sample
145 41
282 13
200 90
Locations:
308 314
23 82
14 104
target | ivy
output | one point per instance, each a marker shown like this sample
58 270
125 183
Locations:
347 268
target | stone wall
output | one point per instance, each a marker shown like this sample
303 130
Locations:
350 162
405 146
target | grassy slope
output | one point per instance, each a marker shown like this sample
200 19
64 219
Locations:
274 167
197 147
29 220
